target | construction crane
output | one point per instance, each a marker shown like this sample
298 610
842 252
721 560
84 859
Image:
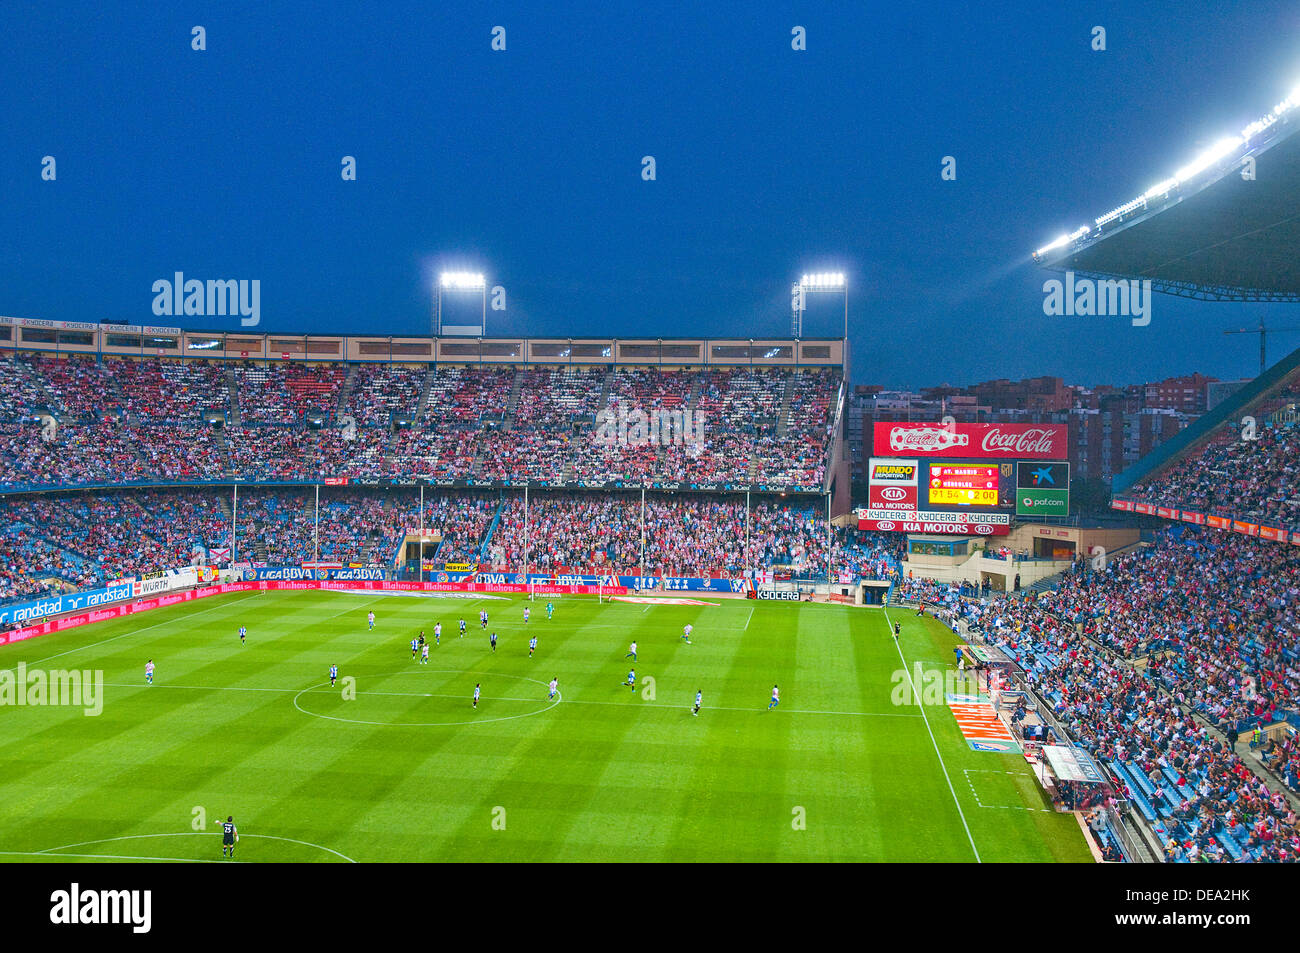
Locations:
1263 332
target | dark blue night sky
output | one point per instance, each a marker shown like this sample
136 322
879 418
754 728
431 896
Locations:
527 164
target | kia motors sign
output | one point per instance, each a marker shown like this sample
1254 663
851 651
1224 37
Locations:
935 521
934 527
973 441
892 484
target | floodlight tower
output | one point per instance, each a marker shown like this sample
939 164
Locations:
832 282
460 282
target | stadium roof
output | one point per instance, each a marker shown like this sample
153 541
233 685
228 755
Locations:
1207 231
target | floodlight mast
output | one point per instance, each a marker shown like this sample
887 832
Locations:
826 281
1227 148
462 282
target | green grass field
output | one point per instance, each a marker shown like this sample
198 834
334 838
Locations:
409 771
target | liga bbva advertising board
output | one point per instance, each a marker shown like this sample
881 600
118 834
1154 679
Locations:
972 441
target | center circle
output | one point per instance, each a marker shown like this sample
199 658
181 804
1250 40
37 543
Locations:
546 704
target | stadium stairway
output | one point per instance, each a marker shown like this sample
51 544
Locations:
492 527
1248 757
425 390
45 402
508 418
1045 584
783 415
232 382
605 387
345 395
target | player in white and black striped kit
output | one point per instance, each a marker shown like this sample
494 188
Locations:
229 836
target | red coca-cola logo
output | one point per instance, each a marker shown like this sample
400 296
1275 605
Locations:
1031 440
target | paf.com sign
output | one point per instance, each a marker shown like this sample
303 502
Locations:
1042 489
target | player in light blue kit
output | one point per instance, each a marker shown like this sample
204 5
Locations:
549 609
243 635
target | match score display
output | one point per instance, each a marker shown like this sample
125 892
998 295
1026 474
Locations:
960 479
964 484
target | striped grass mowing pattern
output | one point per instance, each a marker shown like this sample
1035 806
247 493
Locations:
406 769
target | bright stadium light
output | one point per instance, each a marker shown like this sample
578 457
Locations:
1073 236
1122 210
458 284
1229 147
822 280
828 281
1224 147
463 280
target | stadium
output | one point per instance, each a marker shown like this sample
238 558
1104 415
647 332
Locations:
473 588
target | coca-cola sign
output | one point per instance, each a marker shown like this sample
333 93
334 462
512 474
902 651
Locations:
973 441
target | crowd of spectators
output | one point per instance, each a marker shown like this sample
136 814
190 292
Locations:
1156 665
283 526
1242 472
287 393
77 421
685 535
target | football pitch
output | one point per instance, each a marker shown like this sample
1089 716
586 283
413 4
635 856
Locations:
395 764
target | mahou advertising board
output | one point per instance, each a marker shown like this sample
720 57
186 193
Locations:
972 441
